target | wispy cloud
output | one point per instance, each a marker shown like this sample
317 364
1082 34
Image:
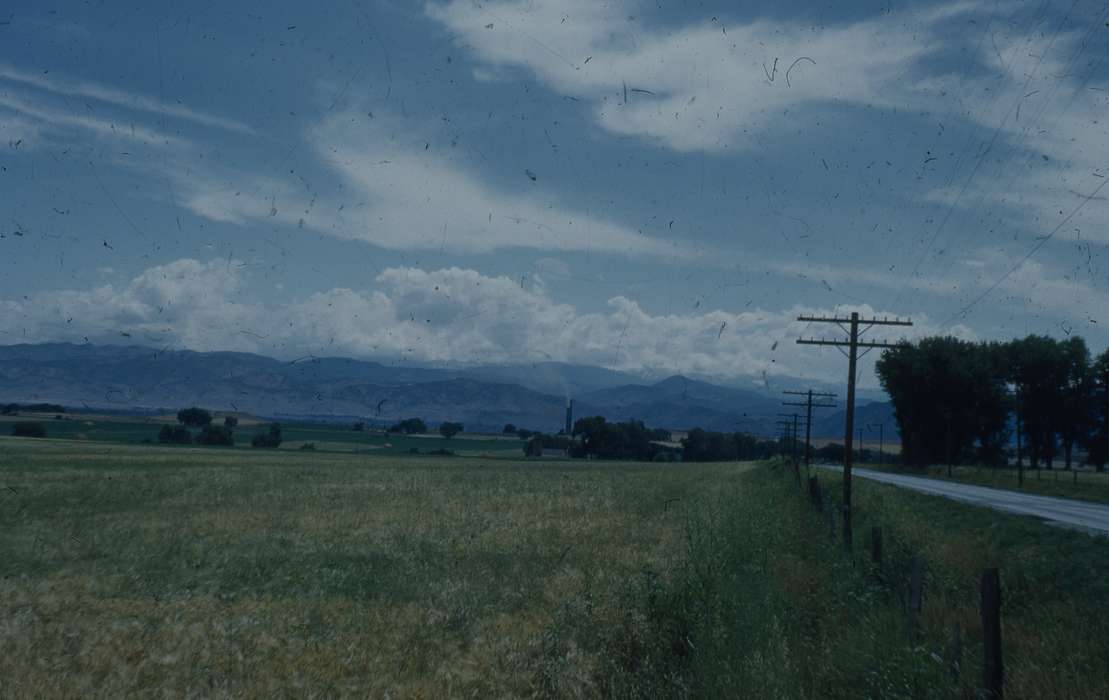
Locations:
119 98
400 195
713 86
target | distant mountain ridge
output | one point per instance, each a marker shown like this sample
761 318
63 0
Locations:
139 379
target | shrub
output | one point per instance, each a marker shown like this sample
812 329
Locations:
308 446
29 429
231 421
216 435
448 429
359 426
270 438
175 435
408 426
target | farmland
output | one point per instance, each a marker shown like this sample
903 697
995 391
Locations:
191 571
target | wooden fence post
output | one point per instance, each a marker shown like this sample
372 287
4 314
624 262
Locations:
992 670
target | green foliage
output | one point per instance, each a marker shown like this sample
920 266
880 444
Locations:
709 446
950 400
509 429
175 435
524 433
630 440
409 426
448 429
216 435
230 422
194 417
358 425
269 439
1097 441
534 446
31 429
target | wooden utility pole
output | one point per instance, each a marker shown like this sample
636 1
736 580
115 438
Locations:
809 406
853 344
881 442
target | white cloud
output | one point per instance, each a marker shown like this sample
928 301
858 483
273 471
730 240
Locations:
402 196
119 98
49 118
448 315
709 86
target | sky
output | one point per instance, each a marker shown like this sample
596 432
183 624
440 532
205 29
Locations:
655 187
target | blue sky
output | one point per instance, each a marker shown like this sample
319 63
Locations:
655 187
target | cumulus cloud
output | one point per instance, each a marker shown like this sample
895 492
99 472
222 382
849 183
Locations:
450 315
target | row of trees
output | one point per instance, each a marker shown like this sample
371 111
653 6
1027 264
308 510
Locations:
958 401
709 446
191 419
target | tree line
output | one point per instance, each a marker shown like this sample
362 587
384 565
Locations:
961 401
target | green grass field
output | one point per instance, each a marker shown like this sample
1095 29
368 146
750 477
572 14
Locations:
147 570
132 430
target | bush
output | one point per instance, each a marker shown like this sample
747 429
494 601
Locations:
231 421
270 438
194 417
509 429
216 435
29 429
409 426
175 435
449 430
359 426
308 446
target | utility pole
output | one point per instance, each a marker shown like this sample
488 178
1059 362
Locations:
790 426
881 443
853 344
809 406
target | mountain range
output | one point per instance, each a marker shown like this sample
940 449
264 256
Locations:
146 380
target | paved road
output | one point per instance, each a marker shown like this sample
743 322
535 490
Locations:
1081 515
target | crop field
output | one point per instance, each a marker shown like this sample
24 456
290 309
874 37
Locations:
149 570
331 438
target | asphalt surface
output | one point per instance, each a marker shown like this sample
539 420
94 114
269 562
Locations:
1080 515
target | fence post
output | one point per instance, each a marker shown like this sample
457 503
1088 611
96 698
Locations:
876 545
992 671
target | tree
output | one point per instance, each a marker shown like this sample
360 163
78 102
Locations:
358 426
1096 441
175 435
230 422
949 399
448 429
216 435
270 438
409 426
534 446
524 433
194 417
1038 367
1075 419
509 429
29 429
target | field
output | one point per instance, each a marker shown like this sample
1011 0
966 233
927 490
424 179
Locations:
129 569
132 430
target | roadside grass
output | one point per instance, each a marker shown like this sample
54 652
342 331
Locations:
1055 588
1083 484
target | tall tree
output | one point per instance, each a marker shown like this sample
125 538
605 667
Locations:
1096 441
